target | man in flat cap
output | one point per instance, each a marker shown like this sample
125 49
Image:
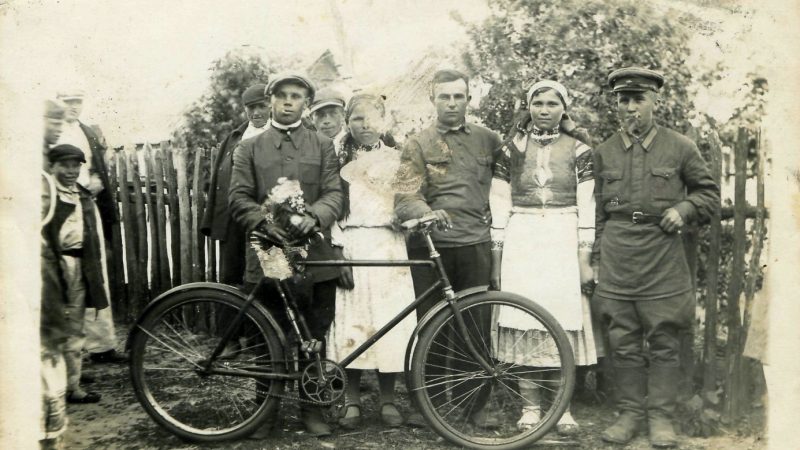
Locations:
78 244
100 334
287 149
218 224
327 113
652 181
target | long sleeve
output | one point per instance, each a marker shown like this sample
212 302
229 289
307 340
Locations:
600 216
584 171
328 206
410 203
500 205
243 191
702 197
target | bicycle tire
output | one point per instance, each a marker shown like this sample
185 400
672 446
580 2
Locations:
168 345
449 388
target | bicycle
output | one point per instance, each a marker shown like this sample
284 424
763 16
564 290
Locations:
188 386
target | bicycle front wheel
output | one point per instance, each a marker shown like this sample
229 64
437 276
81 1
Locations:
169 348
519 399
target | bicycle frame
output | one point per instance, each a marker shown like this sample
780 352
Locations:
299 326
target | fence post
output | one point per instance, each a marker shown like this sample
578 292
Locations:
163 258
712 280
174 212
198 242
115 254
128 225
184 208
141 235
734 385
155 269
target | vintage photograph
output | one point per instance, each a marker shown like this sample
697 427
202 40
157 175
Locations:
357 224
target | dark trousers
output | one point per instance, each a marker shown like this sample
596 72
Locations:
631 323
466 267
231 255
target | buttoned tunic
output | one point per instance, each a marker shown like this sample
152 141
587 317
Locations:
663 170
302 155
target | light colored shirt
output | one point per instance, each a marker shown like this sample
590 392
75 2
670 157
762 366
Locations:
253 131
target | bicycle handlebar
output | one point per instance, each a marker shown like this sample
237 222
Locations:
424 223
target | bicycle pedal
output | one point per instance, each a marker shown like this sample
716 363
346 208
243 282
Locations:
312 346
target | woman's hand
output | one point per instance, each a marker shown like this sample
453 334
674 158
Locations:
494 274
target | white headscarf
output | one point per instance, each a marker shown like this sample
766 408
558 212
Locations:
558 87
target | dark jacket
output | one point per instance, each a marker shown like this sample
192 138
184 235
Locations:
53 328
217 217
105 200
90 262
304 155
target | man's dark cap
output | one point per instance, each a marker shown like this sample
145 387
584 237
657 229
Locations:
291 77
635 79
65 152
254 94
326 97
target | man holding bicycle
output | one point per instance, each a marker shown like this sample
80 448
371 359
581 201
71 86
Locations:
287 149
451 163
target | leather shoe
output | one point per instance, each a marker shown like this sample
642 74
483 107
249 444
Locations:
623 430
314 422
662 434
352 422
390 415
87 397
483 419
415 420
109 357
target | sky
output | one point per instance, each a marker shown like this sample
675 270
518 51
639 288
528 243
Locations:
143 62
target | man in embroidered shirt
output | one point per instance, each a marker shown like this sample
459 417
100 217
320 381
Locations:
651 181
446 171
287 149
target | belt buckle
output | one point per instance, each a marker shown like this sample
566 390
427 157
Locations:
636 216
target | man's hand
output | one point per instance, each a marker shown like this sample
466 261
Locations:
345 280
274 232
301 225
443 220
95 184
671 221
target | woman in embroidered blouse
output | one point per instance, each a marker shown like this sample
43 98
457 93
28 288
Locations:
368 166
543 206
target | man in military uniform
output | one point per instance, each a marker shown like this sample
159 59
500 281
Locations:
288 149
652 181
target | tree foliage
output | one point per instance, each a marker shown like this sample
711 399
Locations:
217 112
578 43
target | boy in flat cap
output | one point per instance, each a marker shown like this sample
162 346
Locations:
288 149
77 243
651 182
327 113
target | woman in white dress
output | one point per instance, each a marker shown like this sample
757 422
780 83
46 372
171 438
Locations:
368 167
543 207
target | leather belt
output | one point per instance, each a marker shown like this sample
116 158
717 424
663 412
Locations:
636 217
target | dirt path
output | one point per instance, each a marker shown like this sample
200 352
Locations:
119 422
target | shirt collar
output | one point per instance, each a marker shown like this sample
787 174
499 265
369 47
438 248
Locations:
277 135
443 129
628 139
285 128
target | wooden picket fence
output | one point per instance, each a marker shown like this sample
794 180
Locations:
157 244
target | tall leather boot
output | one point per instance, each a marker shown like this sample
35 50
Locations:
631 392
662 395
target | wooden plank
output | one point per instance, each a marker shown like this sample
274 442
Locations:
115 255
150 203
198 241
174 212
161 219
129 225
733 383
141 298
712 281
185 216
759 234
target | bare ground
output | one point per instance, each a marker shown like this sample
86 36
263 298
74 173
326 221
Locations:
118 421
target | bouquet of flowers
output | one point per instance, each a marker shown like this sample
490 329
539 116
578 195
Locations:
284 205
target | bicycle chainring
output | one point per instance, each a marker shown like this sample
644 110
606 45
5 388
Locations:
323 386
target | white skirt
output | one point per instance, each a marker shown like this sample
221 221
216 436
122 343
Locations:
379 294
540 262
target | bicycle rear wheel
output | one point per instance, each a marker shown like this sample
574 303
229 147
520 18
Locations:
473 407
169 347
